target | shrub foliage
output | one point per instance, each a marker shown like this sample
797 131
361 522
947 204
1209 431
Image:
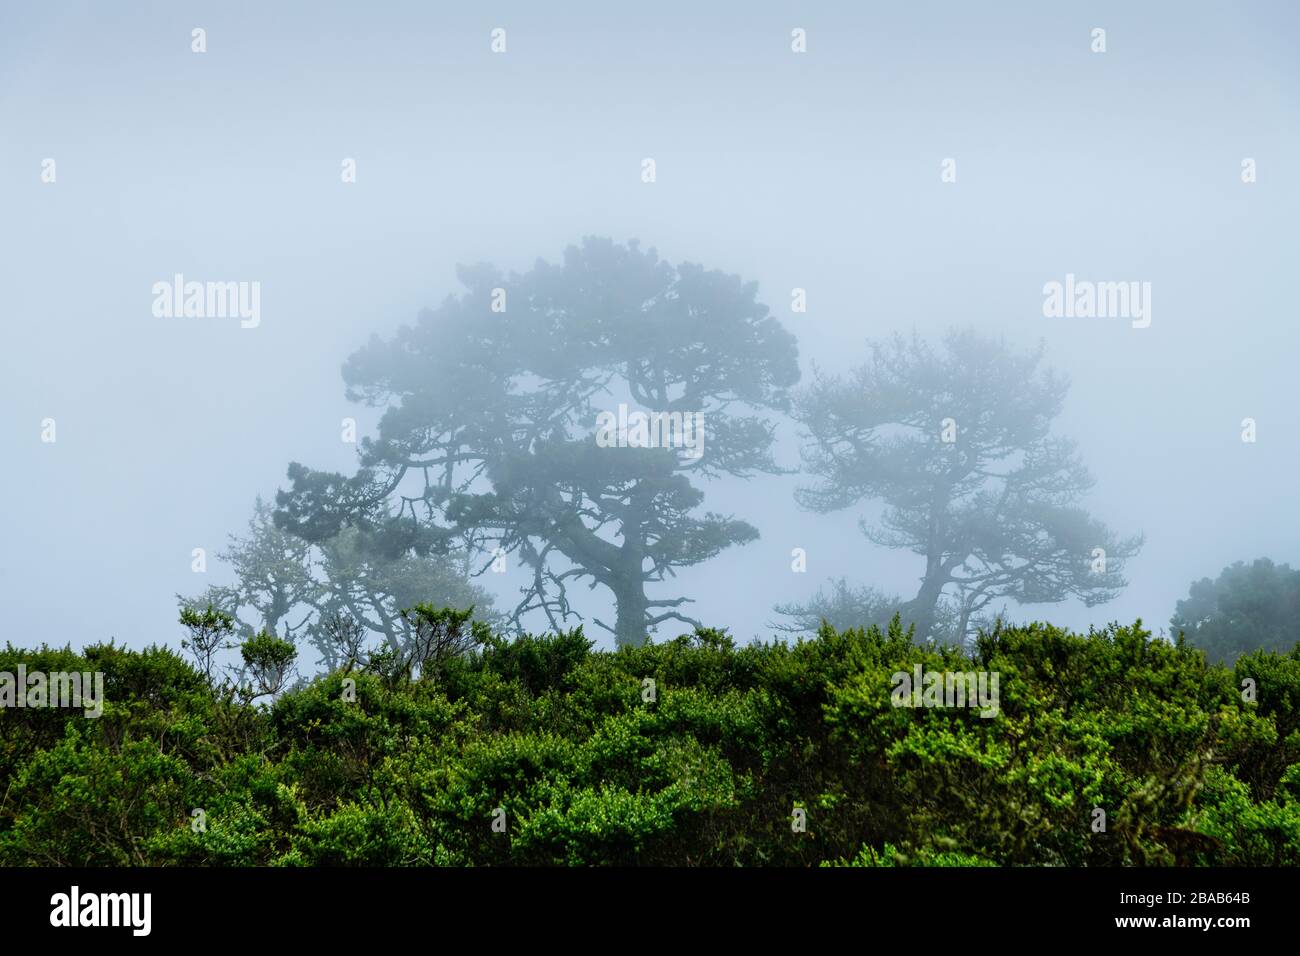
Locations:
696 751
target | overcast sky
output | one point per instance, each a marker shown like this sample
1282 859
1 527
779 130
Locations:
818 170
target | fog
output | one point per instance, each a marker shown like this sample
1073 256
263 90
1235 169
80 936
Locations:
819 170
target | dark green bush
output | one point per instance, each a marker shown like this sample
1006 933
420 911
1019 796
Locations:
695 751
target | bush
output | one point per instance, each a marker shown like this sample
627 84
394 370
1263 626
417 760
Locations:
696 751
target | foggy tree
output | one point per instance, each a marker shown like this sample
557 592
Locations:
342 639
274 572
1248 607
491 429
956 444
845 606
293 589
374 588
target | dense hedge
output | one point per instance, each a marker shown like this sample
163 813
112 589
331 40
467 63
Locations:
590 767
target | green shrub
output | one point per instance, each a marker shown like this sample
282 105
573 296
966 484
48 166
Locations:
694 751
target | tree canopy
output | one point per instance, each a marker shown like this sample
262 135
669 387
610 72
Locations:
956 443
491 431
1248 607
299 591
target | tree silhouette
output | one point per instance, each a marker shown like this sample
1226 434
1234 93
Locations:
1248 607
496 427
322 592
955 442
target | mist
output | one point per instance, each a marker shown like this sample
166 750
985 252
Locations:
822 171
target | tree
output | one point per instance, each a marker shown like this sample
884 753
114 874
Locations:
844 606
296 590
269 661
504 419
275 573
956 443
1249 607
343 637
364 583
209 632
439 634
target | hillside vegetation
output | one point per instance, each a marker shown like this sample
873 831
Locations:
694 751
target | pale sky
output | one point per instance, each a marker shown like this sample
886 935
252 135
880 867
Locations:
818 170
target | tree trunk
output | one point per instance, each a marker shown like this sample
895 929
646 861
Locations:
630 627
920 610
963 624
629 585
